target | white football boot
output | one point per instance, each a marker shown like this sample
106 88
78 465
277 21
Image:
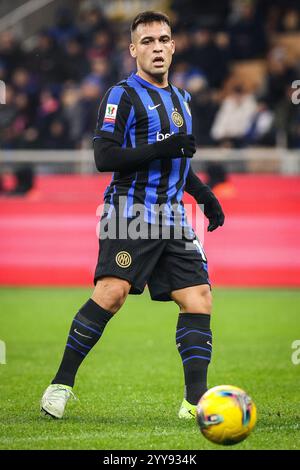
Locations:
54 400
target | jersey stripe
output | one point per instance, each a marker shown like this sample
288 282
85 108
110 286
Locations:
185 162
137 191
131 137
164 165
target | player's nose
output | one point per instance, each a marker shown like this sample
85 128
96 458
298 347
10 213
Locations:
157 47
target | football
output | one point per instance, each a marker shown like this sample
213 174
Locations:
226 414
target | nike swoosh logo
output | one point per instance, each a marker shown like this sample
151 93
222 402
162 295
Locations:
153 107
81 334
207 342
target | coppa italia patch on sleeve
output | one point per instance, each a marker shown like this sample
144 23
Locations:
110 112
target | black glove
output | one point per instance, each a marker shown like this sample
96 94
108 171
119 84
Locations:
177 145
212 208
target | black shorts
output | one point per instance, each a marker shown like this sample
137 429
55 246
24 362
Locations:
164 265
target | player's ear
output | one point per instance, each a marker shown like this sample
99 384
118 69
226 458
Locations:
173 46
132 50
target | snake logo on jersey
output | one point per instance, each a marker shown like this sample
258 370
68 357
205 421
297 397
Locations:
133 113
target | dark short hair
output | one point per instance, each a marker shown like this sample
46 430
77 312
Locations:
147 17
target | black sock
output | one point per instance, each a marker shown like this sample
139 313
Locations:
194 343
86 329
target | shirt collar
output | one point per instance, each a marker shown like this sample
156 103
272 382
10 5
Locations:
150 85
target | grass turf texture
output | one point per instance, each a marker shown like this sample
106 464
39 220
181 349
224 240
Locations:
131 385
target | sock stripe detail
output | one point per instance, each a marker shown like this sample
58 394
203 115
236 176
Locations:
88 327
75 349
180 329
195 347
198 357
81 344
193 331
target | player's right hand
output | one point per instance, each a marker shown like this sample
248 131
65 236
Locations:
176 146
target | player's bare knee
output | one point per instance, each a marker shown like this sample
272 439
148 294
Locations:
197 299
117 293
207 300
111 299
111 293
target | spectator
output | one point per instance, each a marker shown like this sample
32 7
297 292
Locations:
246 30
101 45
70 111
183 46
74 61
88 105
279 74
210 56
261 130
45 61
101 73
11 53
122 61
47 111
24 176
204 107
184 75
30 139
58 136
8 113
3 72
24 115
23 82
234 117
64 28
289 22
92 19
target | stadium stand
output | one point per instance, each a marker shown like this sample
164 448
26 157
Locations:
67 66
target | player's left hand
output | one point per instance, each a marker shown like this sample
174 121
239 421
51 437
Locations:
213 211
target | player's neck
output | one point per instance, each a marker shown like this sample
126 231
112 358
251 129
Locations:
159 81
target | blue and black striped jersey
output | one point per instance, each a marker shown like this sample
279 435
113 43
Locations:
134 112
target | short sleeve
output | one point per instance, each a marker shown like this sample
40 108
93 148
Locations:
115 115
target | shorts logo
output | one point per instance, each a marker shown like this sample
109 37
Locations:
110 113
123 259
177 119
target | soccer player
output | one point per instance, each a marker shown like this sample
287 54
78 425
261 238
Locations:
144 136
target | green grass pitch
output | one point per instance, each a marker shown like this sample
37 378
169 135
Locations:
131 385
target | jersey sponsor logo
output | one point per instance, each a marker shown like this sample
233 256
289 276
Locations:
187 107
160 136
110 112
153 107
123 259
177 119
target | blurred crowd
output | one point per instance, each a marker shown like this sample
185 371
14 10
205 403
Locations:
53 89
